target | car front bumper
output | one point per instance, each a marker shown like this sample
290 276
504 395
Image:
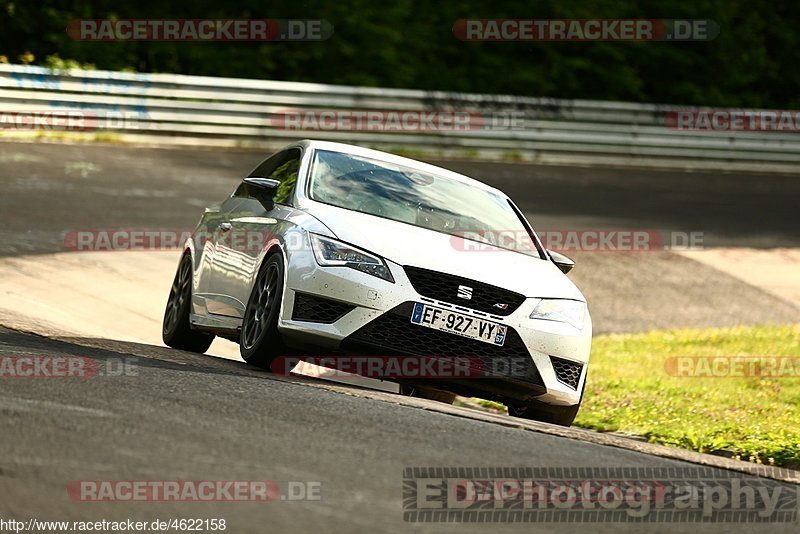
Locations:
378 322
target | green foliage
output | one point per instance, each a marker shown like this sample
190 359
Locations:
631 390
410 44
54 62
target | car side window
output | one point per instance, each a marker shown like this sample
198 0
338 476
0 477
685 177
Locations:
284 167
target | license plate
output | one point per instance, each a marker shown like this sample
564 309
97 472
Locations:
459 324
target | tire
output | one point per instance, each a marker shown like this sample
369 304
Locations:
547 413
428 393
176 331
259 341
539 411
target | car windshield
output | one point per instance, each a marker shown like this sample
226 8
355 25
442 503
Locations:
429 201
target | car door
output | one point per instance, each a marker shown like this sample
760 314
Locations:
205 249
240 238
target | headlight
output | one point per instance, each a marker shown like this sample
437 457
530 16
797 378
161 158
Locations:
331 253
564 311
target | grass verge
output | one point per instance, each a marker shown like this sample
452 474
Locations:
633 389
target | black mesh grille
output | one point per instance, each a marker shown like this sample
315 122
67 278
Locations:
444 287
318 310
567 372
393 334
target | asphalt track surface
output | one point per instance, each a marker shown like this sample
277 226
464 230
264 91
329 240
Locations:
179 416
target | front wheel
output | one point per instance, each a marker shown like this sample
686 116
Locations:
539 411
547 413
176 330
428 393
260 342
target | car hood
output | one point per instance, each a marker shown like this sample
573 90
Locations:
410 245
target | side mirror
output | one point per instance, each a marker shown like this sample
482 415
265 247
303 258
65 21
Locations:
263 190
564 263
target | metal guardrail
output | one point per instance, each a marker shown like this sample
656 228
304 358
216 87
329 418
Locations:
168 109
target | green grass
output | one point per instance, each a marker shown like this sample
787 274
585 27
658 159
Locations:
630 390
513 155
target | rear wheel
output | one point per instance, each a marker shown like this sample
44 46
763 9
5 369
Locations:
176 330
260 342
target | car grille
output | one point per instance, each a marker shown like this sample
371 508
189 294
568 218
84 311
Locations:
567 372
393 334
445 287
318 310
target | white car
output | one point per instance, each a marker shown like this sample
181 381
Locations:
327 248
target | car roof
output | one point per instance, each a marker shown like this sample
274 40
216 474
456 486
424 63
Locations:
392 158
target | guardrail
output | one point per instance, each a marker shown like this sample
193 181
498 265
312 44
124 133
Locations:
168 109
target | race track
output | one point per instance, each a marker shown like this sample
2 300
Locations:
181 416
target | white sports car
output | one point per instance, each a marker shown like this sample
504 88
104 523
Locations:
333 249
